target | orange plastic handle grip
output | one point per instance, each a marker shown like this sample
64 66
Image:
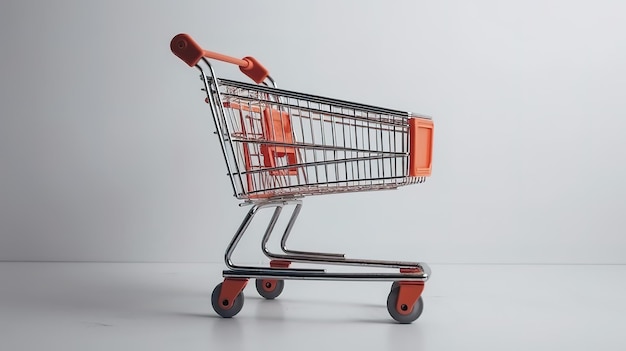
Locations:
183 46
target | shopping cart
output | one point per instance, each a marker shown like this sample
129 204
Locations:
280 146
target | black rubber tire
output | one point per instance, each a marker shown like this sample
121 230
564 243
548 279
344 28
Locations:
218 307
394 285
392 299
270 295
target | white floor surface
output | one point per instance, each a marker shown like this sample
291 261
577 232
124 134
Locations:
118 306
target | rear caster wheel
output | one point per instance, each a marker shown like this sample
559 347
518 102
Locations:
402 316
220 306
270 288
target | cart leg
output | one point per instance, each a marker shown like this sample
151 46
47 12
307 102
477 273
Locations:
324 258
240 231
283 240
290 254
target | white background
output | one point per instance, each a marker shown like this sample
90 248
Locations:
107 151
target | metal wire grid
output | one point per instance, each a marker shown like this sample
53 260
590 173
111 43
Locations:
316 145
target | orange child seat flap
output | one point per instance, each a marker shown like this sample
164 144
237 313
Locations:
277 128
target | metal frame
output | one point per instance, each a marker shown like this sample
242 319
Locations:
418 271
307 256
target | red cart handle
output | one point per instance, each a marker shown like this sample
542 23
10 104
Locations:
190 52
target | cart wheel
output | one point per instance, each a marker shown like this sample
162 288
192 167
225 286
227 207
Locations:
218 306
394 285
270 288
392 299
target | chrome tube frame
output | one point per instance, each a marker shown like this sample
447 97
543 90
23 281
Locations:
221 126
310 257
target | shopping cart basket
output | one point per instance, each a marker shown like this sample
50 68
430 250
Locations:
280 146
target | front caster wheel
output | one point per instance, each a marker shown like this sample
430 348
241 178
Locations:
270 288
402 316
394 285
220 306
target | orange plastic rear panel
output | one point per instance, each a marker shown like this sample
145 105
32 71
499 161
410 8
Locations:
420 147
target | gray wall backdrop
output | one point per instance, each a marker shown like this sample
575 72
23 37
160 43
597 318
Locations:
107 151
